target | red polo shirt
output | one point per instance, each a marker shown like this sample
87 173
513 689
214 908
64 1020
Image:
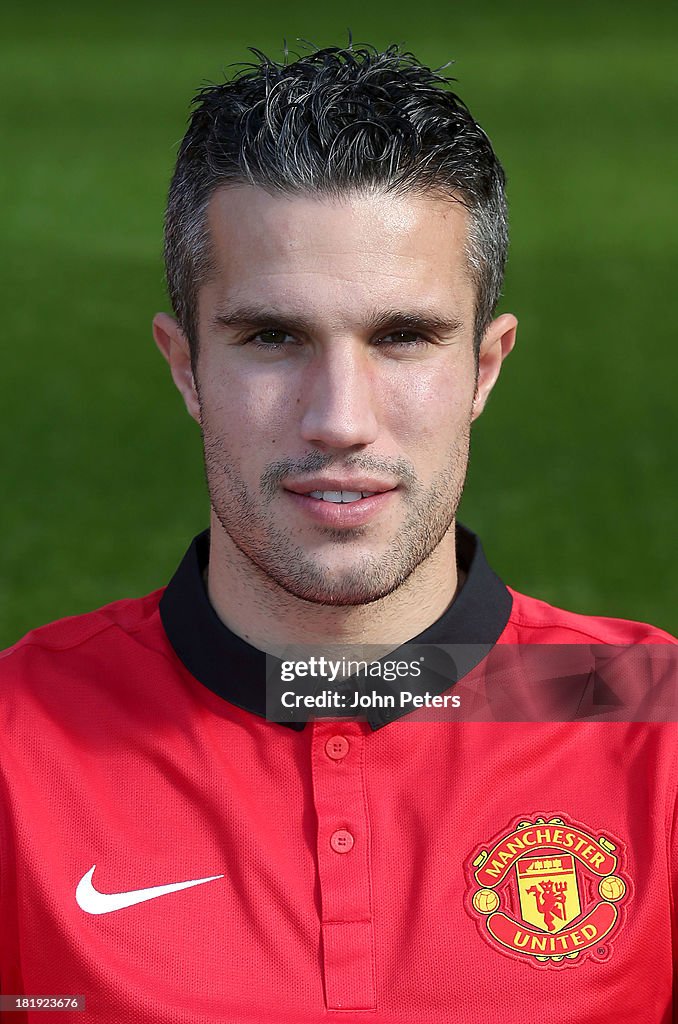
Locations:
174 857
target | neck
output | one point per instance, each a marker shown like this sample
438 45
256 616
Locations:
259 611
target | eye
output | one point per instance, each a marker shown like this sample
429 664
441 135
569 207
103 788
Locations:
269 339
406 339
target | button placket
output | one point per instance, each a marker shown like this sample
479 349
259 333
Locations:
344 867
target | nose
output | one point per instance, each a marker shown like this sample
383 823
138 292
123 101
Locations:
338 398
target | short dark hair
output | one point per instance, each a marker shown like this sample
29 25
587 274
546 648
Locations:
331 122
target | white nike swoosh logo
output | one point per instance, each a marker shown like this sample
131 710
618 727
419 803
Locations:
94 902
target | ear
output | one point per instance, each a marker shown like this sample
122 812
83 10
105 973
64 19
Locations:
498 340
174 346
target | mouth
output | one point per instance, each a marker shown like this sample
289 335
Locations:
340 491
340 497
341 504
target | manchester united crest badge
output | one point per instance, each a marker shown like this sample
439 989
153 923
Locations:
548 891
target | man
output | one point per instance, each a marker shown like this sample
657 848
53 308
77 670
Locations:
335 245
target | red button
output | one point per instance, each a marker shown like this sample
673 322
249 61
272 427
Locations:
341 841
337 747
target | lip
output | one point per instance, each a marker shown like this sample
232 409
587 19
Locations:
338 515
362 483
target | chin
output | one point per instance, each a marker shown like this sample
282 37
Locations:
338 593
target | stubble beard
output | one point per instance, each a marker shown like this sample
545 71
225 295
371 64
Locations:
431 513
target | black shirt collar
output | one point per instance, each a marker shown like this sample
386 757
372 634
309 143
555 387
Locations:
236 671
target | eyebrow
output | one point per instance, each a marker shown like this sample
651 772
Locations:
378 320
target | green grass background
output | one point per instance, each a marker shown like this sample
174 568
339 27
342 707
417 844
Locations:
572 484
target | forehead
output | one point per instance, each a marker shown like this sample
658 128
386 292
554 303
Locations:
356 248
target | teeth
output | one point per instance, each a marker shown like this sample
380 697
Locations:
340 497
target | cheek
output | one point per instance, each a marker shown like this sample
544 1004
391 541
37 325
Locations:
249 416
430 411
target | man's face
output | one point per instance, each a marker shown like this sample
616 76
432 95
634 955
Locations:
336 381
